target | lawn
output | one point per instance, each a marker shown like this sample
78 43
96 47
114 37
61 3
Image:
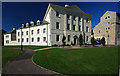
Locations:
97 60
9 53
29 47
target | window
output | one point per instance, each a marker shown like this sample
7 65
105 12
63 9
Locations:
7 41
44 30
7 36
99 31
57 38
74 17
68 38
68 26
79 28
105 17
18 40
38 39
38 31
18 33
87 20
74 27
57 25
87 29
108 23
79 18
108 16
26 32
27 40
87 38
44 38
22 40
57 14
32 32
68 16
106 28
22 33
32 39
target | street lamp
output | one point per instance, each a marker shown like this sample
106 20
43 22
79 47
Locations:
21 36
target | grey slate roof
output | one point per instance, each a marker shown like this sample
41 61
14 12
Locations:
70 9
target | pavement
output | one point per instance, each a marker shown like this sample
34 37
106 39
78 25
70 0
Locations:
23 64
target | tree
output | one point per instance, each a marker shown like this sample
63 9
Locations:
93 41
63 40
103 41
80 40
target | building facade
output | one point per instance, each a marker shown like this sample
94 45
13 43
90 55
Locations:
58 20
109 27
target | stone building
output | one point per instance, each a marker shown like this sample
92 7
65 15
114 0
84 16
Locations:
108 27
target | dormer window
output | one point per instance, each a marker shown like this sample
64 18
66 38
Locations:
38 22
57 14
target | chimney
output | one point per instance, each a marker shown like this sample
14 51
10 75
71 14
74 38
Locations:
66 5
32 23
38 22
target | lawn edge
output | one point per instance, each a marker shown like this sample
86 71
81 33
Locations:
43 67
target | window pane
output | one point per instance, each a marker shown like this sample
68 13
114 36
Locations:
44 38
57 25
57 37
68 26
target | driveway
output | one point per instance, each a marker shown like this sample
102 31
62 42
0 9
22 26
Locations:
23 65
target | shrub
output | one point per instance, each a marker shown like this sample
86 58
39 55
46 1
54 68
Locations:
80 40
103 41
93 41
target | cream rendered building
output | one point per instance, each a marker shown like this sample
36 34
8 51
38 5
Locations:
58 20
108 27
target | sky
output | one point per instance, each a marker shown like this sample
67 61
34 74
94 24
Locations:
16 13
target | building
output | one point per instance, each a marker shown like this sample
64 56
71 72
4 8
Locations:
2 32
108 27
58 20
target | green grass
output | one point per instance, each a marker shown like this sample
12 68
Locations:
29 47
98 60
9 53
